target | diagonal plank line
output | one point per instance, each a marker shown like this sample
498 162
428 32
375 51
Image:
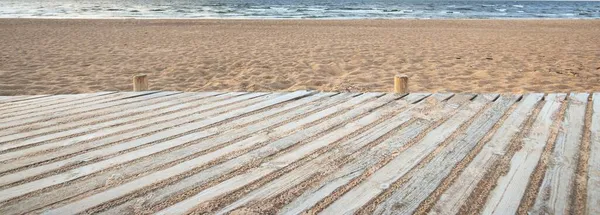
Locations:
23 189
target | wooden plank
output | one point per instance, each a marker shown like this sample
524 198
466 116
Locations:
73 174
59 102
361 161
132 106
234 130
69 101
507 195
117 126
147 104
285 159
222 138
35 159
117 168
424 180
228 136
556 189
121 125
326 161
106 102
400 165
133 102
414 98
22 99
83 157
2 98
456 195
8 106
64 101
129 130
8 111
593 183
271 148
328 111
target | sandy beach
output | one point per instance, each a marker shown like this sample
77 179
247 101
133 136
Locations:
75 56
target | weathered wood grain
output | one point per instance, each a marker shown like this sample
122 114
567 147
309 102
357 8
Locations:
122 109
62 102
324 161
53 113
557 187
11 101
404 161
292 152
456 195
361 161
593 183
425 179
124 124
157 160
22 189
506 196
190 164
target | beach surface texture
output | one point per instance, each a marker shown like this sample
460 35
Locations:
58 56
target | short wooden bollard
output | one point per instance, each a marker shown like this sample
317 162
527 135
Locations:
400 84
140 83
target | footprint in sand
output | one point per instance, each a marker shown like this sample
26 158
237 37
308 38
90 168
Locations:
331 69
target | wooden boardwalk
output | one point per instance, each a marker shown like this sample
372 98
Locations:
300 152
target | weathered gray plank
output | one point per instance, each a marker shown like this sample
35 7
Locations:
132 104
106 102
21 128
124 124
146 105
456 195
302 151
361 161
424 180
120 125
405 160
92 152
284 160
87 156
324 161
233 130
507 195
8 106
3 98
556 189
229 125
229 136
190 164
64 101
22 189
8 109
593 183
16 100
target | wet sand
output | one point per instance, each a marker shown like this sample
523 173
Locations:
75 56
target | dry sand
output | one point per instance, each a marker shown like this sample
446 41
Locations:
75 56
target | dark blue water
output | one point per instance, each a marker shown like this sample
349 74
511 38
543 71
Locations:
300 9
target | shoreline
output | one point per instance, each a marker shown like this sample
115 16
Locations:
57 56
292 19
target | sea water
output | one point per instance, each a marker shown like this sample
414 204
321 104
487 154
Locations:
300 9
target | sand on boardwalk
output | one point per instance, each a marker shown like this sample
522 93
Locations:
74 56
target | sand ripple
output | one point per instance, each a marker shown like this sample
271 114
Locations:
76 56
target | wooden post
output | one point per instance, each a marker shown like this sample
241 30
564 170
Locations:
400 84
140 83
